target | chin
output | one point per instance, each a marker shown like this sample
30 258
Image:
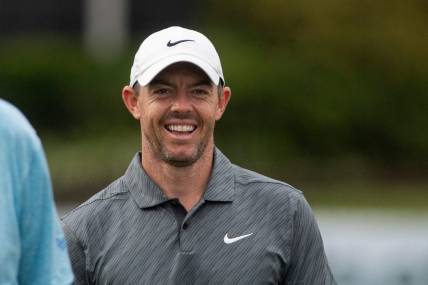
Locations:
180 163
181 158
183 155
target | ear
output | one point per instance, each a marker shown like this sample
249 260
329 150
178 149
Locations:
223 100
131 101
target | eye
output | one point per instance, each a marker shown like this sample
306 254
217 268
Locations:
162 91
200 91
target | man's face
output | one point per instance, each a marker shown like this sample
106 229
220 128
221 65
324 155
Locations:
177 114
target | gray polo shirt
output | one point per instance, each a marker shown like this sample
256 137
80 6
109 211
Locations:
247 229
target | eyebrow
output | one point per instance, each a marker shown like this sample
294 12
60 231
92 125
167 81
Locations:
158 81
203 82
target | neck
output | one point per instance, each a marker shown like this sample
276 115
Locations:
187 183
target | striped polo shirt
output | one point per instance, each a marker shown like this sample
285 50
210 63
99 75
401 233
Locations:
247 229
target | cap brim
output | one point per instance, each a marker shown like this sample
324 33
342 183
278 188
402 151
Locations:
154 70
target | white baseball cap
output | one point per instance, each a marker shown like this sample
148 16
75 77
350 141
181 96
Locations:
171 45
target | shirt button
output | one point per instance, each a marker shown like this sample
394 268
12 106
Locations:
185 226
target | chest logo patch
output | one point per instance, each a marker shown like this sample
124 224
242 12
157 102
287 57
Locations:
228 240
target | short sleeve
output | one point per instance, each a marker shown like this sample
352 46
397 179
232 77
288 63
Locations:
308 264
77 255
44 257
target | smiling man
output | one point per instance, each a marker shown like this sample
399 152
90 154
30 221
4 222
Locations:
183 213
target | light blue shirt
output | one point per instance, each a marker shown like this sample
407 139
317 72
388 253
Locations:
32 245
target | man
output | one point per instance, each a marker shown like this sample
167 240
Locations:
183 213
32 245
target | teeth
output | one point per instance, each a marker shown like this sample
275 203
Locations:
181 128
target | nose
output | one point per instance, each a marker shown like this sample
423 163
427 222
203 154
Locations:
182 102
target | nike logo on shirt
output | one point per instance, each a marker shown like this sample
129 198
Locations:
171 44
228 240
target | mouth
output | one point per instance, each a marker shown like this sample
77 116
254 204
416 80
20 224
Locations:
180 128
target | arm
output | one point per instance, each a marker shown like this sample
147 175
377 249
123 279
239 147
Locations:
77 255
308 264
44 258
32 248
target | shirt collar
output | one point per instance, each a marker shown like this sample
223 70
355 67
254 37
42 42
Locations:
221 184
147 194
142 188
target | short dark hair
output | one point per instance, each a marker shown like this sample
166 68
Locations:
220 89
136 88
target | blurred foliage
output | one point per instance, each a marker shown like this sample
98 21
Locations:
369 194
330 77
60 88
320 89
390 33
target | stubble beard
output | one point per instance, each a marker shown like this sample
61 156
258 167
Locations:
184 162
159 149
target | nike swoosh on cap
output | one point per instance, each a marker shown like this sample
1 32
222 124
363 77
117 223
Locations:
228 240
171 44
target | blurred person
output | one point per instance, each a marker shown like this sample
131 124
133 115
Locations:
32 245
183 213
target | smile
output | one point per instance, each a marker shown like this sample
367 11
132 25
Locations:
181 128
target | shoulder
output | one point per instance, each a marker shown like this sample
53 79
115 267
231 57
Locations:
19 140
253 181
266 191
100 203
13 124
20 147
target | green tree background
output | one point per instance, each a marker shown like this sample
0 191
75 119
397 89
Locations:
330 96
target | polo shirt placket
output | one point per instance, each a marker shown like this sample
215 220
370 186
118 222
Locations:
183 221
186 232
